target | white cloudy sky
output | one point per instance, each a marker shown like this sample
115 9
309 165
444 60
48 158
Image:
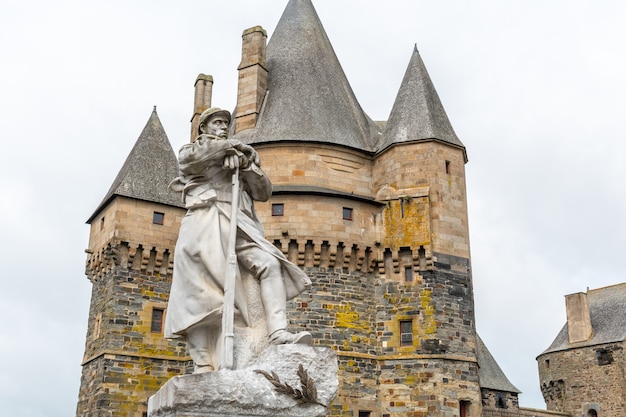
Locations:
534 89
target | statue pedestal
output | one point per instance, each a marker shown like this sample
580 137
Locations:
246 392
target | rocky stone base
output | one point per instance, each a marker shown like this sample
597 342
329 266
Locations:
285 381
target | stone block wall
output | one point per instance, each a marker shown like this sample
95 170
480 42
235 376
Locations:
499 400
120 316
428 386
411 169
522 412
570 380
340 169
125 360
329 240
119 385
131 220
340 312
358 314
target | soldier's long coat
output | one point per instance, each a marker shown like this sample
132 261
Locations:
197 290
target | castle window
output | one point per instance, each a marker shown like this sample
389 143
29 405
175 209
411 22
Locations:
408 273
157 218
592 413
447 167
406 332
365 413
96 326
347 213
604 357
547 363
464 407
102 223
156 325
500 400
278 209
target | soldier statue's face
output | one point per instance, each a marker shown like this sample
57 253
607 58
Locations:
217 126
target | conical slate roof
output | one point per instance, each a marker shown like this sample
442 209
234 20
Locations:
489 372
309 96
148 169
417 113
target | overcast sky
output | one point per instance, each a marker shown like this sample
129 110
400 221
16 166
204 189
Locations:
535 90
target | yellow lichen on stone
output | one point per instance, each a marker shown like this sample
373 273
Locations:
348 318
430 324
406 222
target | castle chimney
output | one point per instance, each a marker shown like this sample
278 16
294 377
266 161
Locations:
578 317
252 78
202 101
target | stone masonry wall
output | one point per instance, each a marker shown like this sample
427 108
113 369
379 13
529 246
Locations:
522 412
131 220
434 170
125 362
499 400
331 167
428 387
119 385
121 314
570 380
325 225
340 313
358 315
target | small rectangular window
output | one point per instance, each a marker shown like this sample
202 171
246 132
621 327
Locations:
406 332
365 413
102 223
447 167
347 213
501 400
464 407
604 357
96 326
156 325
278 209
408 273
157 218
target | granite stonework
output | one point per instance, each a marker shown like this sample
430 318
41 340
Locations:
247 392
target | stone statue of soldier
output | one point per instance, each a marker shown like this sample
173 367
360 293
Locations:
197 293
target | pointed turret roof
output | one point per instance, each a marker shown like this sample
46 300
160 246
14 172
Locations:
309 97
148 169
489 372
417 113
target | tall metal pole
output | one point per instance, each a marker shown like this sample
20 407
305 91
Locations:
228 312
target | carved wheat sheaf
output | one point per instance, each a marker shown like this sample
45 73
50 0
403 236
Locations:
307 393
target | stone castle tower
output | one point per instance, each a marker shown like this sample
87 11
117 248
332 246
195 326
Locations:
129 263
582 372
375 212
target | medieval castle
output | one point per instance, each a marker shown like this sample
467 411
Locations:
374 212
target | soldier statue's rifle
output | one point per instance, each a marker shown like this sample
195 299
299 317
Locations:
228 312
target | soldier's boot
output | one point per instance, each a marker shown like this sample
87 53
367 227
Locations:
274 300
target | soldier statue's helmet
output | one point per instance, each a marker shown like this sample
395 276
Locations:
212 112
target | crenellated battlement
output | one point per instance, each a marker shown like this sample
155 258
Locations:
135 257
334 254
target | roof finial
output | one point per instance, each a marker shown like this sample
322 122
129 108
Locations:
154 109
